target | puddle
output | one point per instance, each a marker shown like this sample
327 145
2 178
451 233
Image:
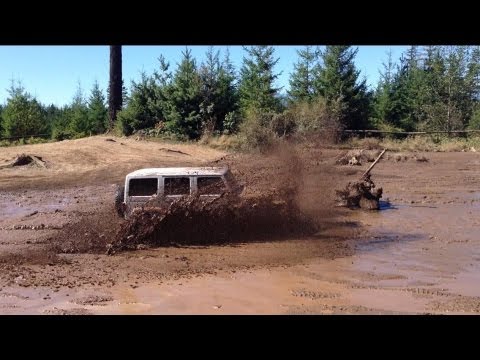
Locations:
412 256
11 209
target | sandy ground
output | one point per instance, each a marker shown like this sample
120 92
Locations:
419 254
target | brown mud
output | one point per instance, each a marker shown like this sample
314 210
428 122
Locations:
419 254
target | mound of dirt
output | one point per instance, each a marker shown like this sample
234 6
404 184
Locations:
357 157
360 194
25 159
192 221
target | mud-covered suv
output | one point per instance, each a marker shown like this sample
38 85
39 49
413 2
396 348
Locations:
168 184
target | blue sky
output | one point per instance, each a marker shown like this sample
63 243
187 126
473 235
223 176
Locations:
52 73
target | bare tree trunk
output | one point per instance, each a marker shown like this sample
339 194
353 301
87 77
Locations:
115 86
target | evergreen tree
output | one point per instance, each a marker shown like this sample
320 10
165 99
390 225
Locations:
473 83
302 79
473 74
451 74
409 91
78 114
228 95
217 90
59 121
257 79
182 108
97 111
23 116
383 104
141 111
115 101
474 122
54 117
338 82
209 74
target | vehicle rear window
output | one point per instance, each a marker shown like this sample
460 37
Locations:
177 186
210 185
142 187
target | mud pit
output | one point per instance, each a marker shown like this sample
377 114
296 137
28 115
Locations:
419 254
222 221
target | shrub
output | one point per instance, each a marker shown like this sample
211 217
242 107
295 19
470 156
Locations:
256 132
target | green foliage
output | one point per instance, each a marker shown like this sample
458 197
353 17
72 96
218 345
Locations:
256 131
59 134
383 99
305 72
183 111
310 117
433 88
231 122
474 123
429 88
257 79
142 109
77 114
218 93
22 116
97 113
338 83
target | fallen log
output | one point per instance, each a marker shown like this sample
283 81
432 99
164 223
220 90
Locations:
362 193
373 164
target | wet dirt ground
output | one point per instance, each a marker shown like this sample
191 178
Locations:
420 254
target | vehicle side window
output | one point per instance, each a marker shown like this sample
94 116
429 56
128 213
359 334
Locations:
176 186
142 187
210 185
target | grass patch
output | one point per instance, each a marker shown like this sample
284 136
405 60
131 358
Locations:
417 143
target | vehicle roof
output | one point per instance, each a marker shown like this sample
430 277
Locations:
178 171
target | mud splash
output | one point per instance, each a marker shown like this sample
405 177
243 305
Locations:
227 219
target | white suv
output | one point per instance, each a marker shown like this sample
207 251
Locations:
167 184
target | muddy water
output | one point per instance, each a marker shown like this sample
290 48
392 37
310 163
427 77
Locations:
420 254
416 258
412 258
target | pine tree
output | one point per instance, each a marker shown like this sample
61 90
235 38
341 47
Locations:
115 101
97 111
257 79
182 108
473 74
338 82
218 90
58 120
78 114
209 74
383 104
302 79
451 87
142 110
228 95
23 116
473 81
53 116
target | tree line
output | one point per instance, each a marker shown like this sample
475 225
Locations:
428 88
